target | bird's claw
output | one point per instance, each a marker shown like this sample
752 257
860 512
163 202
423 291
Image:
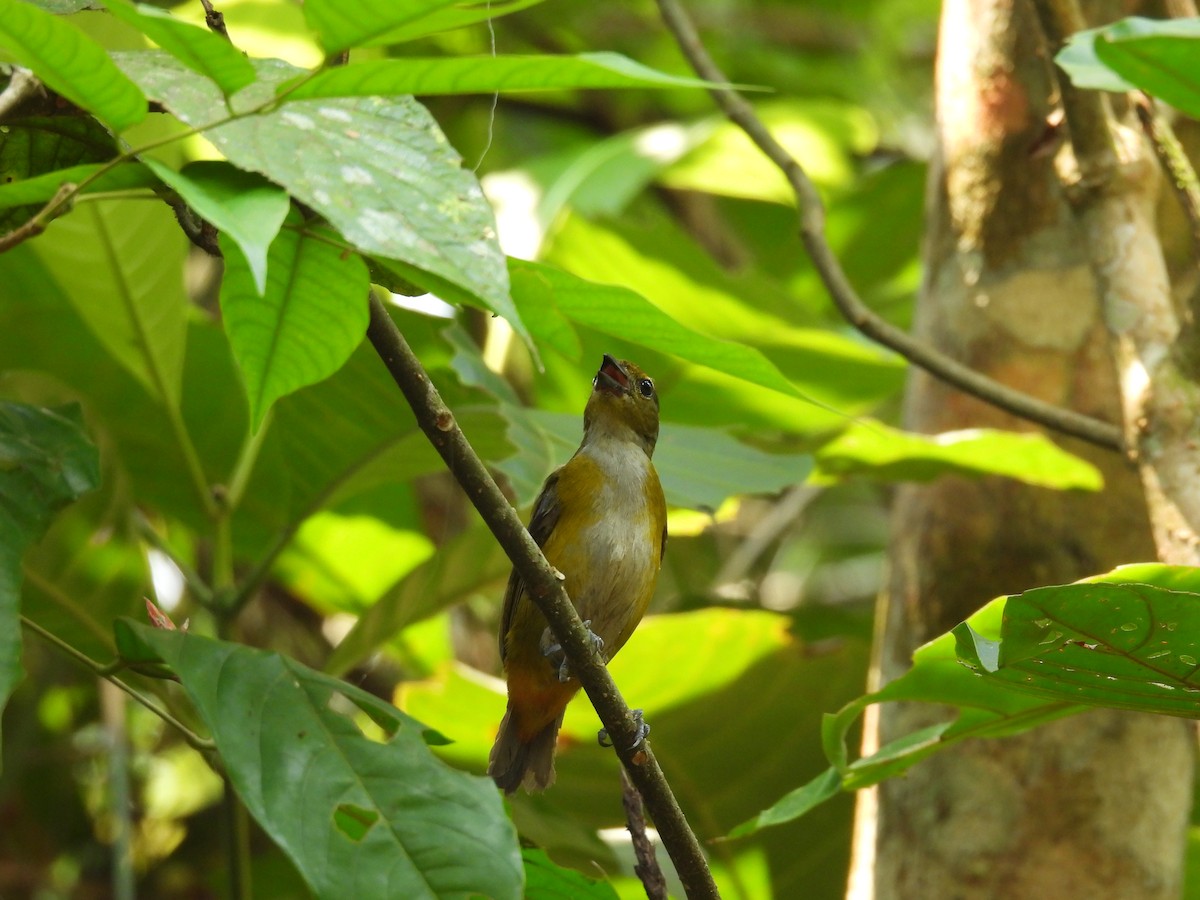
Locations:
553 650
642 728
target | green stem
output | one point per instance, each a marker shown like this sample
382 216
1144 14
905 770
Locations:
191 459
123 881
244 467
237 827
107 672
222 564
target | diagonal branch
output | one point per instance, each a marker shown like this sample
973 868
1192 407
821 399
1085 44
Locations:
546 591
851 306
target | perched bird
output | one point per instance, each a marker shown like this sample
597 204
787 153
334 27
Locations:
601 521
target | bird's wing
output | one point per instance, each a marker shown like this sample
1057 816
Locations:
546 511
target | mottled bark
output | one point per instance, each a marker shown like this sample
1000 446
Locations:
1091 806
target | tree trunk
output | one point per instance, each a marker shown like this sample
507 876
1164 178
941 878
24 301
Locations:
1096 805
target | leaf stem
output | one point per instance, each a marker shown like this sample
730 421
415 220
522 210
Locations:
237 829
246 460
107 672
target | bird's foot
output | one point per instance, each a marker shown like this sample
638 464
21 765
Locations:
553 651
643 731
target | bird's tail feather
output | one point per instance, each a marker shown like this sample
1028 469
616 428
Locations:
514 762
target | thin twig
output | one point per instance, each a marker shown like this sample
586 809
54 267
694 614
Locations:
851 306
215 20
1173 159
647 867
108 672
546 591
56 207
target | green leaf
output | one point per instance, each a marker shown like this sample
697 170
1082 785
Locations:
451 17
469 563
484 75
983 708
663 263
545 294
795 804
358 818
46 462
135 251
342 24
546 881
1157 56
71 63
343 561
1079 60
200 49
306 325
379 170
241 204
873 449
1114 641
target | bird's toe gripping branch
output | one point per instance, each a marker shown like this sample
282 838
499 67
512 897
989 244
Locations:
553 650
643 731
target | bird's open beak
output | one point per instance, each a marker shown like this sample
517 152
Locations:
611 378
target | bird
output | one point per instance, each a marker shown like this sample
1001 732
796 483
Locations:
601 521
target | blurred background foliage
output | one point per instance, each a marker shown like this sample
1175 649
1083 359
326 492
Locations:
762 620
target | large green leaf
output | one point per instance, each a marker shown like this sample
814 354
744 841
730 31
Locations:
311 317
1129 639
877 451
121 264
379 170
663 263
46 462
546 881
38 319
341 24
1079 60
1156 56
200 49
982 709
71 63
545 294
484 75
1125 639
241 204
359 818
343 560
447 18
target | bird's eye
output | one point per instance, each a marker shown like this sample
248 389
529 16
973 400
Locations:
646 386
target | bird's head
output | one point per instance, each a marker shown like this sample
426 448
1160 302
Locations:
624 404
